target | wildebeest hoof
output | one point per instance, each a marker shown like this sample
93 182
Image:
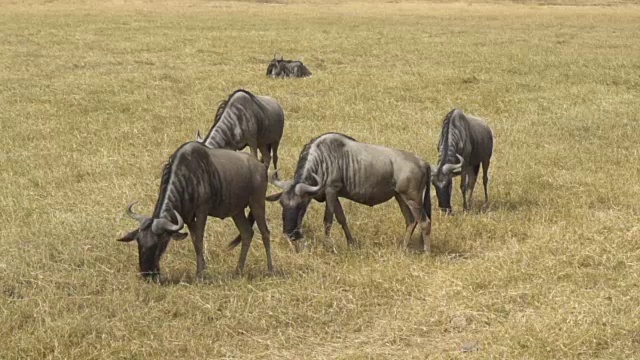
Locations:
331 249
297 246
446 211
239 272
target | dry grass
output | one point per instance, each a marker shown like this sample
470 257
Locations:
95 96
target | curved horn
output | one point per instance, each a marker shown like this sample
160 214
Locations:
453 168
302 188
161 225
139 218
277 182
198 137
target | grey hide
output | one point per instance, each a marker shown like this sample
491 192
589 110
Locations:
334 166
279 68
245 120
198 182
465 143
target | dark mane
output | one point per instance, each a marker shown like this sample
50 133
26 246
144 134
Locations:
223 106
164 180
304 155
444 135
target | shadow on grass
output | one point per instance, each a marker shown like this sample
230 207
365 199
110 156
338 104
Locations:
497 205
440 249
189 278
510 205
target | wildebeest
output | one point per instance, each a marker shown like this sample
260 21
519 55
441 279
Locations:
465 142
198 182
279 68
334 165
245 119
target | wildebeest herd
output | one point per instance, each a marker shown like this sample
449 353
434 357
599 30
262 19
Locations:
210 177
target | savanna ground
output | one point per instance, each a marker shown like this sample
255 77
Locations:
96 95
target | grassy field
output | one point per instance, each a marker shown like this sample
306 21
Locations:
94 97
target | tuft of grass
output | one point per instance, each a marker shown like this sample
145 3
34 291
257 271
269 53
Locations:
96 95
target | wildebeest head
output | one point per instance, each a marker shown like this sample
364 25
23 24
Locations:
441 179
294 199
276 67
153 236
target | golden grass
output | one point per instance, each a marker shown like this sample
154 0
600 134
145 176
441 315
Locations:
95 96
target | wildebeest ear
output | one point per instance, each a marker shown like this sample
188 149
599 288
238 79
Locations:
178 236
274 197
277 57
129 236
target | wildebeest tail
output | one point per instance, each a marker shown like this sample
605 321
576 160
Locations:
238 240
426 200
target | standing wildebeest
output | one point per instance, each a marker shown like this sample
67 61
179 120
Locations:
367 174
286 68
246 119
465 142
198 182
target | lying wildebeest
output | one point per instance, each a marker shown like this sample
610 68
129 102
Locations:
246 119
198 182
279 68
334 165
465 142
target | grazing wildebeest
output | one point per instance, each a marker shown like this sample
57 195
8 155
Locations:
279 68
198 182
334 165
246 119
465 142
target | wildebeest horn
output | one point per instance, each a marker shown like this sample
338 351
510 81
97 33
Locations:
302 188
133 215
453 168
277 182
198 137
161 225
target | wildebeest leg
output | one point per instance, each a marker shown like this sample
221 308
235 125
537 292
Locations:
485 181
238 239
257 210
247 234
266 155
464 181
471 183
406 212
274 151
333 205
415 205
196 229
328 221
410 227
425 236
253 147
